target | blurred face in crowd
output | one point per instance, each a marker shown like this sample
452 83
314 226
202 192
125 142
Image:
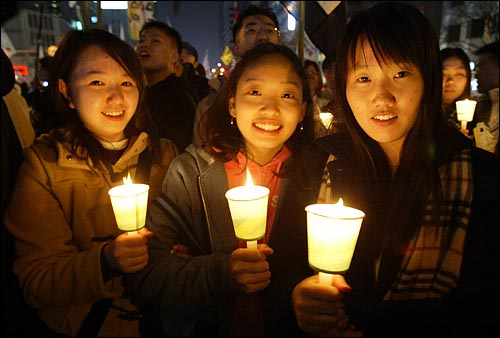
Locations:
187 57
385 99
255 29
268 105
104 95
454 79
314 80
158 52
486 73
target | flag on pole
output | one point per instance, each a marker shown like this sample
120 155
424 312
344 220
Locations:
325 24
227 56
139 12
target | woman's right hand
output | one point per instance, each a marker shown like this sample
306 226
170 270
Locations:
319 309
250 268
128 252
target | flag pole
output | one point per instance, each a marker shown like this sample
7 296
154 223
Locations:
302 28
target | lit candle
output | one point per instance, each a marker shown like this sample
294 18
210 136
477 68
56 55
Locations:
326 119
332 233
130 203
465 111
248 207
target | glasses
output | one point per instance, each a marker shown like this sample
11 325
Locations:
253 31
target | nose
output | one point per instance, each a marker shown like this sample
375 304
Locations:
448 78
263 36
115 95
383 96
269 105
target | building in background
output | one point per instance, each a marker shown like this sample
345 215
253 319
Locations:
40 24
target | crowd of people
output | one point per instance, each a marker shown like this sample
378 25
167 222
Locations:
426 262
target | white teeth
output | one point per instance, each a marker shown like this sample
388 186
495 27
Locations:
113 113
384 117
267 127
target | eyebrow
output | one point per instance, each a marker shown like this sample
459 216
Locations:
260 24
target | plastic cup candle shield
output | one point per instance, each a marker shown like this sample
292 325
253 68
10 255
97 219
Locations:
130 203
465 111
248 207
332 233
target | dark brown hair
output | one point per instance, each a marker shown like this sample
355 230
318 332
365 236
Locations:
64 121
223 141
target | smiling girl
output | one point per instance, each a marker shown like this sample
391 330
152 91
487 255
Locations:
260 122
71 255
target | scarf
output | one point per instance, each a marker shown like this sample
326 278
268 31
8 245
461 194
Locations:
431 264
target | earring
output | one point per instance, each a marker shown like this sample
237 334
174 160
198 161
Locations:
301 128
233 120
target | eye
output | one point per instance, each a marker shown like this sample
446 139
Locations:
363 79
96 83
401 74
288 96
254 92
128 84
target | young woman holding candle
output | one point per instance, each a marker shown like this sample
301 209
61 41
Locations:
260 122
71 255
426 260
456 82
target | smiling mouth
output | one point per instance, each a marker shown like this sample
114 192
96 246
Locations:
113 113
384 117
267 127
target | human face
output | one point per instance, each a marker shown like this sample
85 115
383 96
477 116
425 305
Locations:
314 80
486 73
158 52
103 94
454 79
255 29
385 99
268 105
186 57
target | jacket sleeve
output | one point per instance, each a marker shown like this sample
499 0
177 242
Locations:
52 271
187 285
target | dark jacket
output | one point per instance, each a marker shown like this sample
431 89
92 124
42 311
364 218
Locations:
471 309
172 103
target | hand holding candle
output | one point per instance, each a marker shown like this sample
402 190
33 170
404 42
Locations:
130 203
465 111
248 207
332 233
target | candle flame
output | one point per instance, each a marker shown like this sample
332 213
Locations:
249 178
340 203
127 180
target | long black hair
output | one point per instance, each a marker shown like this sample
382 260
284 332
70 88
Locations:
399 33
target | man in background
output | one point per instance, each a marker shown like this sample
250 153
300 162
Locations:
486 114
170 99
254 25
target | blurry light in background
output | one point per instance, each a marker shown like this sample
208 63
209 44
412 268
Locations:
76 25
291 22
114 4
51 50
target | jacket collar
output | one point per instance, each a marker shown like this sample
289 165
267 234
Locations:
69 159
